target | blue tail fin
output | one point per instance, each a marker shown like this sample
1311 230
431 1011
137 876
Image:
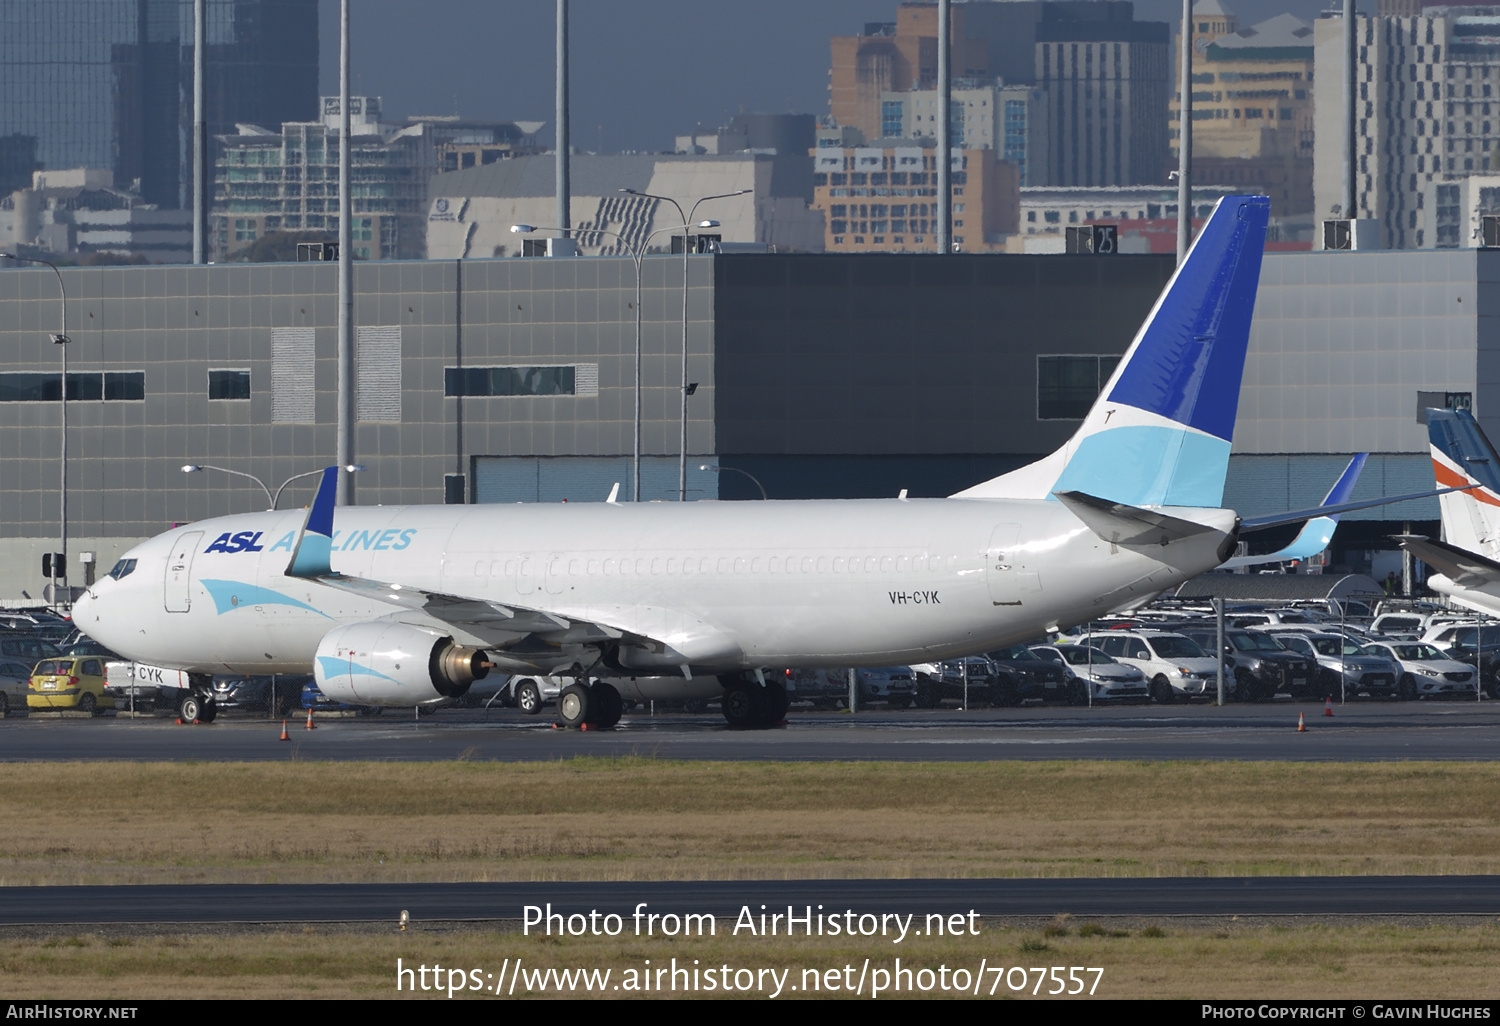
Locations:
1160 431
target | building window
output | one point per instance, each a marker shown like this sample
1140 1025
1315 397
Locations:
229 384
82 387
1066 386
495 381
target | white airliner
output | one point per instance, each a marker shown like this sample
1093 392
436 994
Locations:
1469 556
401 606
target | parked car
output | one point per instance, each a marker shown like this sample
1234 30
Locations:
892 685
829 688
68 682
1478 645
1174 665
1426 671
27 648
314 699
971 679
1024 676
14 681
1095 674
1261 666
254 694
88 646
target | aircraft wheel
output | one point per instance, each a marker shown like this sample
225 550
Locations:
1161 690
744 705
574 705
209 711
189 708
777 701
606 703
529 697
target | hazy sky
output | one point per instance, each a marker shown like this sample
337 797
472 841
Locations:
643 70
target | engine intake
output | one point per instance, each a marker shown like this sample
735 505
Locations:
395 664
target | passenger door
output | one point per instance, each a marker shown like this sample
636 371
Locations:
176 591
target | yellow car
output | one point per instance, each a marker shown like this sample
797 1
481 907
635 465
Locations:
68 682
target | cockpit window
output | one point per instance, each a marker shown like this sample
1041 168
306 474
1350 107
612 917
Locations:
122 569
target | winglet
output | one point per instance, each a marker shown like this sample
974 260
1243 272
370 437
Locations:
1344 486
310 556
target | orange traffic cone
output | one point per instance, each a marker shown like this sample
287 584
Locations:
1328 706
1301 724
309 719
284 735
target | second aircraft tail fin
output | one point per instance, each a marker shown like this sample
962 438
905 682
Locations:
1462 455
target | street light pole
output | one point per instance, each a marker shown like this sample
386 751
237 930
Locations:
721 468
193 468
637 256
687 221
60 573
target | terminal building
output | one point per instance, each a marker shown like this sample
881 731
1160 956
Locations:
812 375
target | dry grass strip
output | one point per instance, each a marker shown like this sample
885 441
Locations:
1368 962
642 818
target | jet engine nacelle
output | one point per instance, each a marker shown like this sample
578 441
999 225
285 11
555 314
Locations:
394 664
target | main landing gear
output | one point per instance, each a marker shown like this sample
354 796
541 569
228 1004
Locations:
750 705
597 705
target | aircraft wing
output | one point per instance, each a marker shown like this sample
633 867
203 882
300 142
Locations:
1466 569
547 639
494 621
1318 532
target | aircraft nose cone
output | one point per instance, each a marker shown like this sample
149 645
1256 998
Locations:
84 611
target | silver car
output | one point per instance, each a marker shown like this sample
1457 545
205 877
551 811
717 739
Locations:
1092 672
1427 671
1352 668
13 678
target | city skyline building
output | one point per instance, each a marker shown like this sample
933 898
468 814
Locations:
883 198
286 180
1427 112
107 84
1106 83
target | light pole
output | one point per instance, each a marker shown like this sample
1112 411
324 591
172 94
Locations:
682 441
720 469
638 256
59 573
193 468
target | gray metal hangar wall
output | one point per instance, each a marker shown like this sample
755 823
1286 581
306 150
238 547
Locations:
821 375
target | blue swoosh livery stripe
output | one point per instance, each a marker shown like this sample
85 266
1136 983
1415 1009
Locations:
333 667
231 595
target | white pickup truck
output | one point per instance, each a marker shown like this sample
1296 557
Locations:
145 688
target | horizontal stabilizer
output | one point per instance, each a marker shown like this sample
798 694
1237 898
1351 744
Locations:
1120 524
1463 568
1298 515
